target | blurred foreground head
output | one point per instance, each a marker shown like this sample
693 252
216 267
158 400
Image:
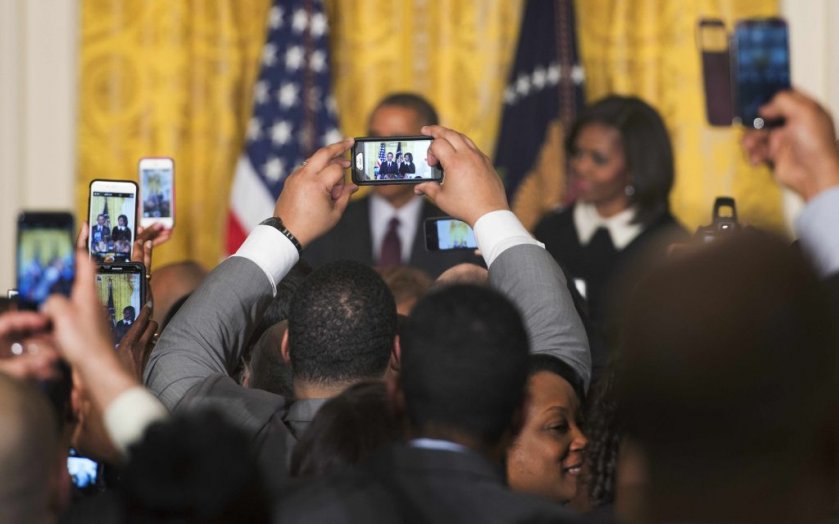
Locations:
727 384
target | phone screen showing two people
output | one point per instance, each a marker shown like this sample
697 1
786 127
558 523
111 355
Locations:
388 161
121 293
112 227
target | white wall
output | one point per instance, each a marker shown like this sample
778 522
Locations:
38 50
815 60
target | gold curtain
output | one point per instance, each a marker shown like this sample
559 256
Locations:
648 48
163 78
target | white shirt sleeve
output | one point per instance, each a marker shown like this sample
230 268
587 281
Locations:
498 231
129 415
818 230
271 251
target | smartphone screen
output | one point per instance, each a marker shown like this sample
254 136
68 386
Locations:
112 214
445 234
157 189
393 160
45 257
120 289
761 56
84 472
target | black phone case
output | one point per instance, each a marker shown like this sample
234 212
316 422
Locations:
716 76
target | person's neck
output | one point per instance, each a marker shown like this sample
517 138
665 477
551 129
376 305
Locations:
399 200
612 207
305 390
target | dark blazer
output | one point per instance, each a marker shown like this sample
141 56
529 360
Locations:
388 168
121 235
352 239
412 485
407 168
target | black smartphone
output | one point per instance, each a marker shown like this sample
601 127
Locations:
393 160
85 473
446 234
122 290
712 39
760 61
112 217
46 261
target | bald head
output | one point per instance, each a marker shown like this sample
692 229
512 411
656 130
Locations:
462 274
28 451
172 282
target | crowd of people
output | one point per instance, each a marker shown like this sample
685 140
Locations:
587 373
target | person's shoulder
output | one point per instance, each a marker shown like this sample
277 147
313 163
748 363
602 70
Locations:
555 220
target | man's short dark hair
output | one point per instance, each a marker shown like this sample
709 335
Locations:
341 324
131 309
426 113
464 362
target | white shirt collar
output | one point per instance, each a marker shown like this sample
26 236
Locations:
620 226
409 216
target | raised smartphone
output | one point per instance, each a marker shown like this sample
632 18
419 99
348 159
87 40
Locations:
760 62
712 39
157 191
45 257
112 216
85 473
447 234
122 289
393 160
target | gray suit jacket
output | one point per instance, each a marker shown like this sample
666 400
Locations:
202 345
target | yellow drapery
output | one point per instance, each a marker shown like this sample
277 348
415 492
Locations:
162 78
648 48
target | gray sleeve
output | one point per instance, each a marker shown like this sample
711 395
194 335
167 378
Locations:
209 333
530 277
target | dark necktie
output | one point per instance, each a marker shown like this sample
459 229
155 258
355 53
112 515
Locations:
391 254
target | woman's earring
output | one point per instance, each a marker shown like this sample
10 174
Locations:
629 190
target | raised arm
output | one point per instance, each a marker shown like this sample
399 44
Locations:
208 335
518 265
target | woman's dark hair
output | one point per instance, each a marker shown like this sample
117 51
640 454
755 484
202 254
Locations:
123 217
409 155
646 145
345 431
604 434
542 362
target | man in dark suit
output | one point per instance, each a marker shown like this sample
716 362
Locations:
122 327
388 169
99 232
362 233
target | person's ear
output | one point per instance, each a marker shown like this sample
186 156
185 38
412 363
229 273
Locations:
395 355
284 349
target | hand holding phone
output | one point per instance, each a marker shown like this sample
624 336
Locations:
45 257
446 234
393 160
157 191
112 212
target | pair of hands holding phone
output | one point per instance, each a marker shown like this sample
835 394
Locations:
315 195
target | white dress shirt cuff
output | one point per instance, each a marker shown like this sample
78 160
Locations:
127 416
271 251
498 231
818 230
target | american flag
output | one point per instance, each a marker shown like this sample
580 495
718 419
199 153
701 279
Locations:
293 112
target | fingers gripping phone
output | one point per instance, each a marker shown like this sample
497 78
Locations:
122 290
157 191
393 160
760 61
446 234
112 213
45 257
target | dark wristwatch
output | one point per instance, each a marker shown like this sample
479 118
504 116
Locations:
277 224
